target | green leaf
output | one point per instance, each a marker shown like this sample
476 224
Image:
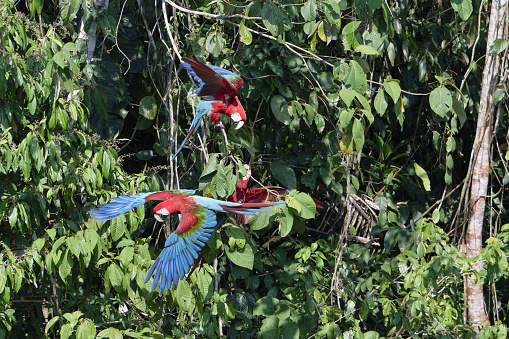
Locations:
205 285
319 121
117 228
148 107
332 11
280 109
110 333
51 323
345 117
100 98
145 155
65 331
259 222
308 11
241 256
211 165
381 102
284 173
245 35
347 95
423 69
356 77
421 173
440 101
366 50
214 43
185 297
308 114
86 330
265 306
463 7
498 46
326 79
114 276
497 96
457 107
393 89
65 266
348 34
285 220
273 18
358 134
391 238
308 206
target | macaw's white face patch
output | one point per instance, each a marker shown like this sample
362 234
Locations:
162 212
237 119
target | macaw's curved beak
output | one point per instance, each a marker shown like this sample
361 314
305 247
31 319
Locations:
237 120
239 124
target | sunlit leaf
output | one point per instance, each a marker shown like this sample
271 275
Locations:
148 107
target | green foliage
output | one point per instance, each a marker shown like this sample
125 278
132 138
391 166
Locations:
370 98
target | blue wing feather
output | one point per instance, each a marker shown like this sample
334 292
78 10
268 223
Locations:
179 252
118 206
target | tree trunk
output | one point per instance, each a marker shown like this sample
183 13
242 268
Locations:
480 161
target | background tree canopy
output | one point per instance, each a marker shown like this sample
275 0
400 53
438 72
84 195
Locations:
369 106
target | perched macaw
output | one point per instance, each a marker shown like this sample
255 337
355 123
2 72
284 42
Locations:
258 195
182 247
219 90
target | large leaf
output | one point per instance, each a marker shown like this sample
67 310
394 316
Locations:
421 173
86 330
280 109
245 35
393 89
358 134
148 107
285 220
241 256
463 7
309 10
356 77
381 102
440 101
273 17
265 306
284 173
185 297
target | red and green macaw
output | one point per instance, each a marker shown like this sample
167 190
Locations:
219 91
258 195
198 221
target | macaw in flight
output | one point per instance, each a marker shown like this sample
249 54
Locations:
182 247
219 91
258 195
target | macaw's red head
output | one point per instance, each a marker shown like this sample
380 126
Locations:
236 112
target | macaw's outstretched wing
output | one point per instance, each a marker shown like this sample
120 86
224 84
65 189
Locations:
182 248
215 82
118 206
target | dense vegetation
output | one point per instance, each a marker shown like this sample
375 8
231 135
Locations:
368 106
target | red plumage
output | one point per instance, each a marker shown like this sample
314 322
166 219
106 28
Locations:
264 194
